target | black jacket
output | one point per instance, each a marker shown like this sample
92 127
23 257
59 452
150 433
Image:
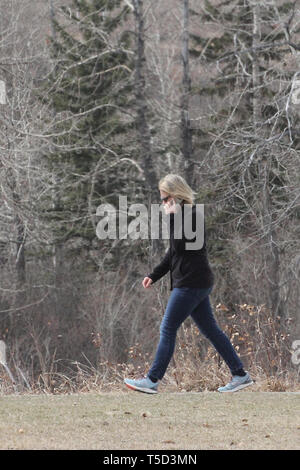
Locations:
188 268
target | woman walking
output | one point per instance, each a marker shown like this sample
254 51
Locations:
191 284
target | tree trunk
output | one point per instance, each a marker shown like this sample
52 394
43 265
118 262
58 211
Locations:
57 249
186 133
272 260
256 103
151 180
141 102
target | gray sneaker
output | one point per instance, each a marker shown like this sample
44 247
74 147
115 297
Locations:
142 385
237 383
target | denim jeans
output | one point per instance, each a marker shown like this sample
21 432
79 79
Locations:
194 301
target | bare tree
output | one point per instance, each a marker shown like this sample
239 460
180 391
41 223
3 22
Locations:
251 163
23 179
19 68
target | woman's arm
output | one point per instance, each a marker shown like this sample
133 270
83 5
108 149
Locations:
161 269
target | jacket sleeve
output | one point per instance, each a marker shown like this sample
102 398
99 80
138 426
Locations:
161 269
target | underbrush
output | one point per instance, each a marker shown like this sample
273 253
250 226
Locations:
262 342
90 334
108 377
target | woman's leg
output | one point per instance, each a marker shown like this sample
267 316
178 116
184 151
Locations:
181 303
205 320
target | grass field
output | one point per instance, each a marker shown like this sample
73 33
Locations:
132 420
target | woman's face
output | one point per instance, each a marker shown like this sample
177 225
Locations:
168 202
165 197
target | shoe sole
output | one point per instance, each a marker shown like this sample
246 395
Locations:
236 389
140 389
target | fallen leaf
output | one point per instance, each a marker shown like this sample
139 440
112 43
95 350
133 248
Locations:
168 442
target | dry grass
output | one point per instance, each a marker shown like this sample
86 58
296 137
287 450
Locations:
208 420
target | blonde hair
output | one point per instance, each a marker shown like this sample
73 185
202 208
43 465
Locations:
176 186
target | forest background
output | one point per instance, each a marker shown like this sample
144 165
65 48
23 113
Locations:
102 98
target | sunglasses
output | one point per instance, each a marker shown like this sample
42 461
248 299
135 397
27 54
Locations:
164 199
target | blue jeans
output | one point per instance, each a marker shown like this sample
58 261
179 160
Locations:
194 301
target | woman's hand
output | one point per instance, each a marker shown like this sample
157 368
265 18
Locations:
147 282
170 206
